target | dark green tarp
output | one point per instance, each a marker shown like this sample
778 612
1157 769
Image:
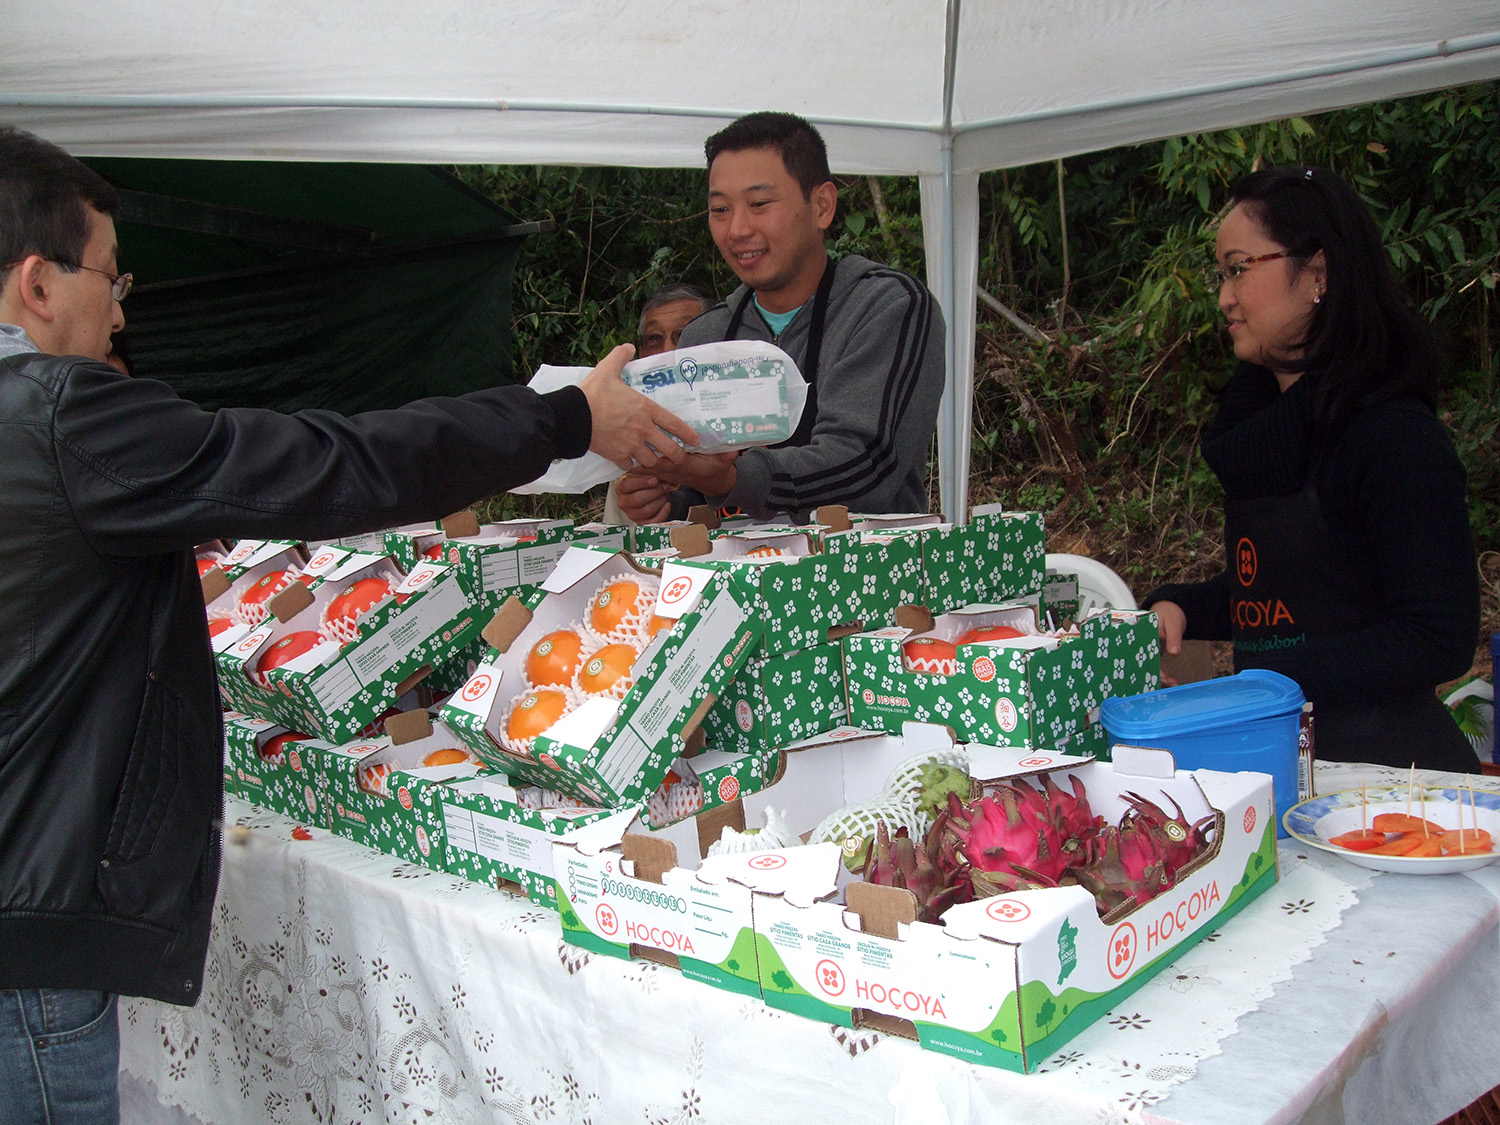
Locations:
291 285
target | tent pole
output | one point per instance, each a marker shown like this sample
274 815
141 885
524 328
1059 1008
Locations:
952 492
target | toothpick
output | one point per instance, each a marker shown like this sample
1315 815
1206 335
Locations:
1364 808
1411 781
1424 812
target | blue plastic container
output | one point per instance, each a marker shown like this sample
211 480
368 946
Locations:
1243 722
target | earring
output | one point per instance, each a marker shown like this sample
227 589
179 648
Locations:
1318 296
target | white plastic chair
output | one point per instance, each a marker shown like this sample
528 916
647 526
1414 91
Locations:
1098 586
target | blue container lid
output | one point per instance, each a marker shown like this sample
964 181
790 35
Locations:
1495 644
1256 693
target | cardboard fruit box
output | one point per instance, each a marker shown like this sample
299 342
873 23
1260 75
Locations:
493 834
777 700
627 888
497 834
1036 691
602 536
379 792
997 556
815 584
611 752
497 560
334 688
273 768
1007 980
237 592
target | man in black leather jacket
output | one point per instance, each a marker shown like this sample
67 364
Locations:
110 734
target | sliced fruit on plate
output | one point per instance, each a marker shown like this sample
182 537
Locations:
1359 840
1403 822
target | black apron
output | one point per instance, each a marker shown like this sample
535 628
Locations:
809 366
1289 579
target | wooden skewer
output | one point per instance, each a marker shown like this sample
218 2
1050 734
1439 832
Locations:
1411 781
1364 808
1423 796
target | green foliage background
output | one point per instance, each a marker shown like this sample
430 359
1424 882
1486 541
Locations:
1095 417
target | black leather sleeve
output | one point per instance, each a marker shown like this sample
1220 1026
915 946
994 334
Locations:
145 471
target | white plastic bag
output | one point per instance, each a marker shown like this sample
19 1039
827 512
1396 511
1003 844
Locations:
737 394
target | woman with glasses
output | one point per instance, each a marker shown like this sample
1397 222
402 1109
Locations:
1350 560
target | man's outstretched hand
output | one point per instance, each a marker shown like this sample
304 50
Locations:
630 429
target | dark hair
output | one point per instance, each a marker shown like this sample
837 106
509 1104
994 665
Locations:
43 196
674 291
1364 336
800 145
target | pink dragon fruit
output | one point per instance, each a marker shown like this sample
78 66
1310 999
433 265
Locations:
1022 837
1179 841
1130 866
895 861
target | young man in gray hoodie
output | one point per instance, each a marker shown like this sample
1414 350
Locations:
868 340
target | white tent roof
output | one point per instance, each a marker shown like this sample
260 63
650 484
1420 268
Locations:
943 90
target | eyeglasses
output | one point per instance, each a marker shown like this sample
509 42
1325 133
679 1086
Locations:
119 283
1215 276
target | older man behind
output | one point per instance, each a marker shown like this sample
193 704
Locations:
666 313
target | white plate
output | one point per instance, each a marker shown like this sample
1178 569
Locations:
1318 819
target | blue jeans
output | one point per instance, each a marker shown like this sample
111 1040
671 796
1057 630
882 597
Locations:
59 1057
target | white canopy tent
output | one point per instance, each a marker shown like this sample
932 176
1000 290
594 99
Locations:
943 89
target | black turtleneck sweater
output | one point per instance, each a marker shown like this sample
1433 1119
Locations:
1392 490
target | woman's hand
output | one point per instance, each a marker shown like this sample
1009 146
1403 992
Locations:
1171 621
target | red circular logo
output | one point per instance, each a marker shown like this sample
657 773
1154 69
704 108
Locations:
830 978
250 643
295 759
1006 716
744 717
729 789
1120 957
243 551
868 696
548 761
767 861
453 555
404 797
984 669
608 920
1250 820
675 590
321 561
1008 910
1039 760
475 688
422 841
421 578
1245 561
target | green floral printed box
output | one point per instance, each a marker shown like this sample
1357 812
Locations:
610 752
1038 690
496 833
381 794
780 699
997 556
815 585
501 559
349 671
273 769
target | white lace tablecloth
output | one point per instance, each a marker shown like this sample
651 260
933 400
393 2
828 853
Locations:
346 986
